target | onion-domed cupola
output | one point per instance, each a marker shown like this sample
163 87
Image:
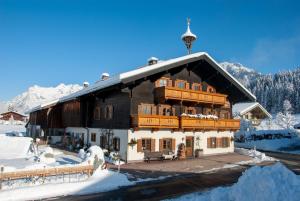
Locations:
188 37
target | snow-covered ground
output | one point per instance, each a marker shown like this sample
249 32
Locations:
284 144
274 183
103 180
8 128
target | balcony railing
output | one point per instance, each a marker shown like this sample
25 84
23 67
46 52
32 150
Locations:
174 93
188 123
155 121
209 124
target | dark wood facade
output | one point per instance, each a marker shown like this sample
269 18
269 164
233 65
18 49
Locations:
113 107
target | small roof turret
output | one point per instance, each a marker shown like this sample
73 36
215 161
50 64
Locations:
188 37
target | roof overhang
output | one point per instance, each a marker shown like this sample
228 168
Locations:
150 70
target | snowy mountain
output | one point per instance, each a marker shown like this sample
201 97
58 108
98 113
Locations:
270 89
244 74
36 95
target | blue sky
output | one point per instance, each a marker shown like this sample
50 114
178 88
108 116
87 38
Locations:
50 42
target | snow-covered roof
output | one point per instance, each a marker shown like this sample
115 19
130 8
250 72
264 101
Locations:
13 112
152 69
242 108
43 106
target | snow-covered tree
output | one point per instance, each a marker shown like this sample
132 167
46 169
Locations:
287 107
285 121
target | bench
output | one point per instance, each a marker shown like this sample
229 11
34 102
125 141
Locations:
153 156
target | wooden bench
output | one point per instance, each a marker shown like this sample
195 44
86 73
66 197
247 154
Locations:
153 156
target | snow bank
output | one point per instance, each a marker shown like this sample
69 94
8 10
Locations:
270 145
274 183
5 129
14 147
102 181
94 155
258 156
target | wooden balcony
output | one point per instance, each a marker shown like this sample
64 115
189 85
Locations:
188 123
209 124
174 93
155 121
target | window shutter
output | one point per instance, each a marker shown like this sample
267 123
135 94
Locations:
219 142
152 145
139 145
160 144
173 144
173 111
140 111
157 83
187 85
154 107
209 142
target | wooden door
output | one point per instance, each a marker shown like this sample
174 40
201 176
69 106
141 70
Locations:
189 145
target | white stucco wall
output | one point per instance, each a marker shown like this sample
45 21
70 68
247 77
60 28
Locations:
179 136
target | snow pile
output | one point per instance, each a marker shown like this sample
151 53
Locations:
200 116
258 156
15 147
47 156
94 156
274 183
104 180
10 129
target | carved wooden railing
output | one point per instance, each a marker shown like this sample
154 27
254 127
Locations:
154 121
174 93
209 124
174 122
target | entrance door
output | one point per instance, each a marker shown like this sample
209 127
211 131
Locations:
189 142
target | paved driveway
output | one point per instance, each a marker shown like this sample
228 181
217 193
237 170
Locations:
154 169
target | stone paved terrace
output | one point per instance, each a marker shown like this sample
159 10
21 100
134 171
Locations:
155 169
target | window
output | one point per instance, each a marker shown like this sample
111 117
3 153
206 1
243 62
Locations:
212 142
108 112
146 109
97 113
93 137
164 81
181 85
167 144
146 144
225 142
190 110
103 141
166 110
196 87
116 144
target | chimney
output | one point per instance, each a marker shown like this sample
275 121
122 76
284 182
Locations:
86 84
152 60
104 76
